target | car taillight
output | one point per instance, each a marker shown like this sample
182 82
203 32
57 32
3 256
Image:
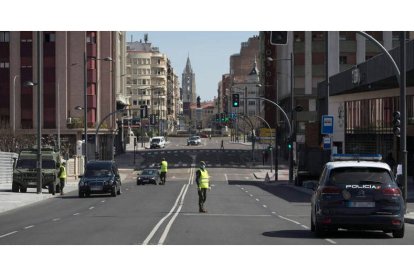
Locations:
330 191
391 191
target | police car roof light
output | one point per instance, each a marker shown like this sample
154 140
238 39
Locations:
357 157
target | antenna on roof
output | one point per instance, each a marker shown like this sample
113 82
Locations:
145 37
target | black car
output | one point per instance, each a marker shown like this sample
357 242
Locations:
149 176
357 195
101 177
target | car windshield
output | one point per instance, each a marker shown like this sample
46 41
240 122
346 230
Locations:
359 175
155 140
194 138
98 170
31 164
148 172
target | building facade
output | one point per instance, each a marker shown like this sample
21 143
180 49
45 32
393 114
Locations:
188 82
62 85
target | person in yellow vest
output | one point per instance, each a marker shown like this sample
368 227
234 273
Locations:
62 176
202 179
163 172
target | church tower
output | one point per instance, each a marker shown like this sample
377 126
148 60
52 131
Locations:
188 87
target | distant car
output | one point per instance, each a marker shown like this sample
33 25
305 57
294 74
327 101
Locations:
157 142
101 177
149 176
194 140
359 194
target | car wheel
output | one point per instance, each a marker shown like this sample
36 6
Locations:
81 195
23 190
113 193
399 233
312 224
319 231
15 188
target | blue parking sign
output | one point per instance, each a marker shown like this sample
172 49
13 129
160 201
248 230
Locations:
327 124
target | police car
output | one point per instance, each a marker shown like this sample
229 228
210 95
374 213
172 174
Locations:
357 192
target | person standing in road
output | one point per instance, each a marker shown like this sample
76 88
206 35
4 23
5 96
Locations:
62 177
202 179
163 172
222 144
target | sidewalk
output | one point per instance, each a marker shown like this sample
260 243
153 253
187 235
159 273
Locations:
283 179
10 200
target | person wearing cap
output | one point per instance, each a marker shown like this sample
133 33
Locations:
163 172
62 176
202 179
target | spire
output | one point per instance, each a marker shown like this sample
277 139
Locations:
254 71
188 68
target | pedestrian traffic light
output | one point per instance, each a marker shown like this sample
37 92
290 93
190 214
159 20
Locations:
278 38
396 123
222 116
152 119
235 99
217 117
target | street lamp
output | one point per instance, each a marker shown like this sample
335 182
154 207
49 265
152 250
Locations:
39 134
291 59
85 99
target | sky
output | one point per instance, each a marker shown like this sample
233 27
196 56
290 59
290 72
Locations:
209 53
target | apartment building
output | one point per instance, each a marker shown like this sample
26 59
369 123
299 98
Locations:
67 56
147 70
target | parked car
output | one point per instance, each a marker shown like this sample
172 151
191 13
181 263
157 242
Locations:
149 176
359 194
157 142
101 177
194 140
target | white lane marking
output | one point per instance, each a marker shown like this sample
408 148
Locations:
331 241
155 229
242 188
250 195
8 234
291 220
264 206
76 214
223 215
304 226
28 227
257 199
103 201
90 208
55 219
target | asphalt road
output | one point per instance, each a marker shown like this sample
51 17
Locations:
241 209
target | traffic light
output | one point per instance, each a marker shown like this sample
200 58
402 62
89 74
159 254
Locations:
235 99
152 119
278 38
396 123
217 117
222 116
289 144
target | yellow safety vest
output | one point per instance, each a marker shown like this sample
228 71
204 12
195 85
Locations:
203 181
62 172
164 166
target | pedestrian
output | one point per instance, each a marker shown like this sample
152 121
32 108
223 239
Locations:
202 180
209 136
163 172
222 144
62 177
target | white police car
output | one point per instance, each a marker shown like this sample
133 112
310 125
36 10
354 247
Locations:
357 192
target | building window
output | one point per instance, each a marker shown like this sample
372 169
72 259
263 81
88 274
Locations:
4 36
50 37
4 65
252 103
134 102
343 60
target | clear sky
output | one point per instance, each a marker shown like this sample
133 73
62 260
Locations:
209 54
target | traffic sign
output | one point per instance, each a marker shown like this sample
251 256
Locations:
326 143
327 124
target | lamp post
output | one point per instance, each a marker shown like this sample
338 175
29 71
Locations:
291 59
85 99
14 105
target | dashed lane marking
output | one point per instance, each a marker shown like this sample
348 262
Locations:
28 227
55 219
8 234
76 214
90 208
